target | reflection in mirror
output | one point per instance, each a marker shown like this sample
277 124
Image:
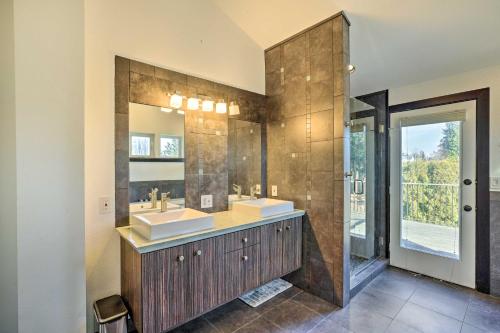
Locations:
244 158
156 146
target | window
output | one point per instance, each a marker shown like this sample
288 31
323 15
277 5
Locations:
170 146
141 144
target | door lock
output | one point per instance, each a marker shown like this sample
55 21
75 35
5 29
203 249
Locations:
467 208
467 181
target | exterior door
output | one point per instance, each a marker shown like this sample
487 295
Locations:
432 192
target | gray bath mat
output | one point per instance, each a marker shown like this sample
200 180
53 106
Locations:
256 297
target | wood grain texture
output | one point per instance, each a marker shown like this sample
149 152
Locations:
236 240
251 268
292 245
271 251
233 279
204 293
131 265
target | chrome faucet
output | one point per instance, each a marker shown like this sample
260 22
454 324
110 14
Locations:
154 197
237 189
253 191
165 198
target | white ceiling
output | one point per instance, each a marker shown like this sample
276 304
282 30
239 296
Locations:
393 42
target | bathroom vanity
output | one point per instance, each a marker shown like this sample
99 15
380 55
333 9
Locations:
168 282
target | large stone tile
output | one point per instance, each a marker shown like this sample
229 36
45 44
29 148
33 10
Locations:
322 125
427 321
466 328
398 327
278 299
231 316
294 97
322 156
322 96
294 55
394 283
293 317
438 298
295 134
322 186
273 83
261 325
378 302
329 326
484 312
360 320
321 38
315 303
198 325
322 68
273 59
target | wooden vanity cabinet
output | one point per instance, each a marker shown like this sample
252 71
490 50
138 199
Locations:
281 248
166 288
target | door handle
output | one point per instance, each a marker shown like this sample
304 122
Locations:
467 208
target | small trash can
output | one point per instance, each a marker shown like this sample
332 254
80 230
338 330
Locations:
111 314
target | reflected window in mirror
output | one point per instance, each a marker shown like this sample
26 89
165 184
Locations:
156 150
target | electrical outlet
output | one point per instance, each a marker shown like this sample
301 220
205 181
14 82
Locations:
206 201
257 189
274 190
104 205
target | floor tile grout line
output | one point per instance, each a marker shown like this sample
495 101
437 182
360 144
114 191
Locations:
435 311
210 323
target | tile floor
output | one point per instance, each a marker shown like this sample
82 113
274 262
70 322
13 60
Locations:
396 301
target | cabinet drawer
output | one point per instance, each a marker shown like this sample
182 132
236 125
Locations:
241 239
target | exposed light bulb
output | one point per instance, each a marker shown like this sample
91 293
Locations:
221 107
193 103
351 68
207 105
176 101
168 110
234 109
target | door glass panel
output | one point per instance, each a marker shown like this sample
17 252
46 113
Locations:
430 187
358 181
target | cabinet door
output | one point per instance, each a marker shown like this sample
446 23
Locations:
232 285
205 260
251 267
271 251
179 305
292 245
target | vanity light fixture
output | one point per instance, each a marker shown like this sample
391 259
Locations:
221 106
207 105
176 100
193 103
351 68
168 110
181 112
234 109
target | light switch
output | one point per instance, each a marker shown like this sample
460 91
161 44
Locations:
206 201
274 190
104 205
257 189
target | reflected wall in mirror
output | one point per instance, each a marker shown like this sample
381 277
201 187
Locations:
244 159
156 150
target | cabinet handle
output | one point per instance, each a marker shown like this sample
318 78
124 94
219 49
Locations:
197 253
180 258
288 227
280 229
245 240
245 258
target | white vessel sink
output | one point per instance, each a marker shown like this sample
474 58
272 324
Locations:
154 226
145 207
263 207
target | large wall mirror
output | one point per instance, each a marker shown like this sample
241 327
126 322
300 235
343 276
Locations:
189 150
156 154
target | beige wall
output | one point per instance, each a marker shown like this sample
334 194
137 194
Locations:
487 77
191 36
8 213
49 88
